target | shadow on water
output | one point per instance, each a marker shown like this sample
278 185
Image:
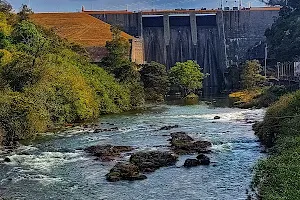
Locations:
216 100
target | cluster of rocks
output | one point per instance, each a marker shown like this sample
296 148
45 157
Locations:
141 162
181 143
147 162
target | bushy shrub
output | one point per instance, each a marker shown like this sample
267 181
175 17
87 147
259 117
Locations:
155 80
257 97
111 96
21 117
277 116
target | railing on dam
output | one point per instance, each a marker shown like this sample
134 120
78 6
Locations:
180 11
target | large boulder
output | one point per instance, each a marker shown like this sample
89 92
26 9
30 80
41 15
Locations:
180 137
153 160
108 152
124 171
204 160
182 143
201 160
191 163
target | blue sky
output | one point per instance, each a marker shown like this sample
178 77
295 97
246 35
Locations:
75 5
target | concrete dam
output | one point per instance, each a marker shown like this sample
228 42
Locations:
215 39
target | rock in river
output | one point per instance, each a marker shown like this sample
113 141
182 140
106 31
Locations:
124 171
204 160
168 127
191 163
182 143
201 160
153 160
108 152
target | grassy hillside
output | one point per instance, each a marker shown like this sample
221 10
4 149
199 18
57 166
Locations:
45 82
79 28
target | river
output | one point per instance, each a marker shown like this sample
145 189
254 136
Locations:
58 168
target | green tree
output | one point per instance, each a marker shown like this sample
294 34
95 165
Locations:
5 7
233 75
155 79
187 76
118 63
251 76
118 51
5 31
292 3
283 36
28 38
129 76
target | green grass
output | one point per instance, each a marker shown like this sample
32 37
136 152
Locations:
278 176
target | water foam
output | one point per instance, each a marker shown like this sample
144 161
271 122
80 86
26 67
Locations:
45 161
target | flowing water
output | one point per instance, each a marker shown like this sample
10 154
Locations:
58 168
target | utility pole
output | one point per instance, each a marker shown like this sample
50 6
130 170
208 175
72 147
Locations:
266 57
152 4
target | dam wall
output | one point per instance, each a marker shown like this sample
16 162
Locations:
244 30
129 22
215 39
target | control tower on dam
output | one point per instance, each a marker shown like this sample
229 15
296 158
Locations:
215 39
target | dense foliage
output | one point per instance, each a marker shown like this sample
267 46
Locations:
257 97
283 36
278 176
118 63
254 93
291 3
187 76
44 83
251 76
156 82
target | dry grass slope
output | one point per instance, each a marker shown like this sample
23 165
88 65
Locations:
79 28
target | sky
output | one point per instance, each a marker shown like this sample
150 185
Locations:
75 5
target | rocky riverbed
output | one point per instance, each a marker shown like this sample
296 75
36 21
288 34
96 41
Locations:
171 152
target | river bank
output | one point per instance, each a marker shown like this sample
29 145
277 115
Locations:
277 177
59 168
